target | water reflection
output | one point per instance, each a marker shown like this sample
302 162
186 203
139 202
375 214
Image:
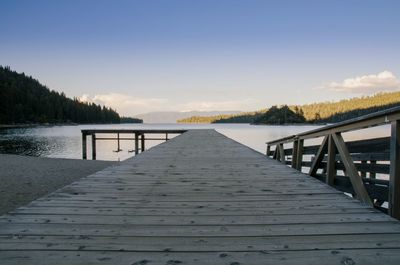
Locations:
65 141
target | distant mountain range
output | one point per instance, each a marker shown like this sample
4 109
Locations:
173 116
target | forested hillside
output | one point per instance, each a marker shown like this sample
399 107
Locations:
324 112
283 115
24 100
242 117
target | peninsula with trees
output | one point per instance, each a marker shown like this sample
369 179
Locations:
24 100
324 112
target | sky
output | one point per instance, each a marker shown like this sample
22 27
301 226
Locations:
181 55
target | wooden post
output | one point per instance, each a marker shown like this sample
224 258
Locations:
394 182
118 145
166 136
299 159
372 175
363 173
142 140
136 143
84 146
93 146
281 153
275 154
268 150
294 153
331 163
351 170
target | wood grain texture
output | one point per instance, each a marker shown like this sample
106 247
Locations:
200 198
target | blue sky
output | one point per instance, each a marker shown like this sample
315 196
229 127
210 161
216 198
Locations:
140 56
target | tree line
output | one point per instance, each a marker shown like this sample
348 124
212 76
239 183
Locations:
323 112
24 100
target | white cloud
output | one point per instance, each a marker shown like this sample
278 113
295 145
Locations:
383 81
128 105
125 104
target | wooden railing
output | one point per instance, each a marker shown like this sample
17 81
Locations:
368 169
137 136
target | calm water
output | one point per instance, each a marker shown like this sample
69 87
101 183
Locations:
65 141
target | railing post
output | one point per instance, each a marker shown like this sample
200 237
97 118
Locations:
372 175
142 140
84 146
394 182
93 146
331 163
118 145
294 153
275 154
136 143
363 173
299 159
268 150
281 153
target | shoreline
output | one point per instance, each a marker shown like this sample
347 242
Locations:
24 179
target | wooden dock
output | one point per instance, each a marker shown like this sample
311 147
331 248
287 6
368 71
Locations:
200 198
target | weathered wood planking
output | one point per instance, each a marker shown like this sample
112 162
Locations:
200 198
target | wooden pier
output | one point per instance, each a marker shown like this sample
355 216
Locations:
199 198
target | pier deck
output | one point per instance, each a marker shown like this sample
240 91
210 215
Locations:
200 198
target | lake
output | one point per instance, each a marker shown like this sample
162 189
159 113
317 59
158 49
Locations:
65 141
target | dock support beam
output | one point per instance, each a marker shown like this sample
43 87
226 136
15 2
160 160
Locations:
84 146
394 182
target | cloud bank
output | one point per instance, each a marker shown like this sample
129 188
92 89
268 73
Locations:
383 81
128 105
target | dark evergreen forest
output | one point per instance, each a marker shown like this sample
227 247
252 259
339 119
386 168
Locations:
24 100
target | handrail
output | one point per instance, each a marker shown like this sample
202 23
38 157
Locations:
282 140
370 120
139 134
129 131
334 154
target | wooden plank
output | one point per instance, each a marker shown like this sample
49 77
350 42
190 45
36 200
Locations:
202 244
169 257
394 186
